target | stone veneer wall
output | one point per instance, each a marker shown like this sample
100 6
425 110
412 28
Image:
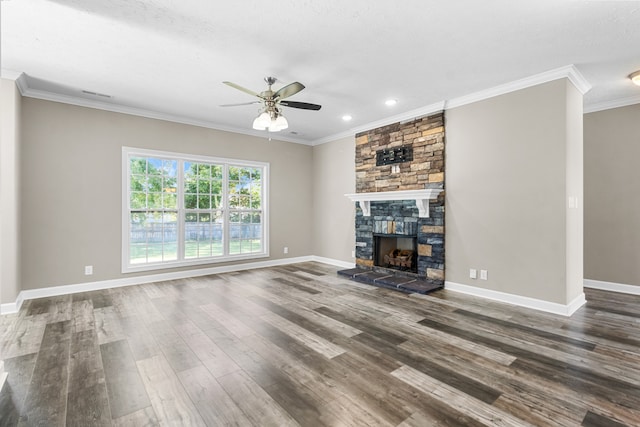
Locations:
426 137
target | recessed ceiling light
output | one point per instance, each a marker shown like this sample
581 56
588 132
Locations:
346 117
390 102
635 78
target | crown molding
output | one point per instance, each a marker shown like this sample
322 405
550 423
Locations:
27 91
608 105
18 77
408 115
570 72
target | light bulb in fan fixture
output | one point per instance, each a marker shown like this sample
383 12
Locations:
278 123
282 122
262 121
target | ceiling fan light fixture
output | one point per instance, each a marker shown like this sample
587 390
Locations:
262 122
271 118
635 78
278 124
282 122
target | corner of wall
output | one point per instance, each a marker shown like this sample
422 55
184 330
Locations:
11 106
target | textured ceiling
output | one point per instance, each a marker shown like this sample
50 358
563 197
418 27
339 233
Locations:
170 56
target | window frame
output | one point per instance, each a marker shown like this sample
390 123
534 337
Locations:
181 158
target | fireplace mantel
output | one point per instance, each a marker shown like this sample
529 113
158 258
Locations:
421 197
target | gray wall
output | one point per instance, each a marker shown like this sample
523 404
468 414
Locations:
333 214
10 118
507 160
71 187
612 186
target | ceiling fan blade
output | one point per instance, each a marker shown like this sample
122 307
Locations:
243 89
243 103
288 90
301 105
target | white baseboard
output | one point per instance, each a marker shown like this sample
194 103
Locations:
3 375
138 280
8 308
613 287
536 304
334 262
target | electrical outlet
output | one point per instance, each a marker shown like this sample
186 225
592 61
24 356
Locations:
353 254
473 273
286 250
88 270
484 274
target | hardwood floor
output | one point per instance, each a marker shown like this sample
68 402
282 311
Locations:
298 345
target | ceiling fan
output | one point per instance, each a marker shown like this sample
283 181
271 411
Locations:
271 117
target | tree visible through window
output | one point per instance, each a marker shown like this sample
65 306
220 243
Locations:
185 210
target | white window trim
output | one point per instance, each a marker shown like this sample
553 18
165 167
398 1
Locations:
131 151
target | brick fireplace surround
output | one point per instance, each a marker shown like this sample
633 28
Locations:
402 218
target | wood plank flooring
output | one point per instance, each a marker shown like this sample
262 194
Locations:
298 345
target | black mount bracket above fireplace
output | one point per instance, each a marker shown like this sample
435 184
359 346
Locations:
394 155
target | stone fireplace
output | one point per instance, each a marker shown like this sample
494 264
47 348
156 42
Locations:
400 204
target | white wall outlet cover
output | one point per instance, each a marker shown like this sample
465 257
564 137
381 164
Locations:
484 275
473 273
88 270
286 250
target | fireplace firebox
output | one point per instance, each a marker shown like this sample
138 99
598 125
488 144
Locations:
395 252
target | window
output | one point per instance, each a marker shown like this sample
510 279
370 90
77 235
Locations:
187 210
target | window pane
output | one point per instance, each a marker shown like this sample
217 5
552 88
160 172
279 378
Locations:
190 201
243 202
154 200
138 200
169 201
191 235
154 184
170 168
154 166
204 249
170 236
216 186
234 231
138 182
154 252
204 186
256 196
216 172
216 202
234 246
204 202
216 238
169 185
138 253
234 187
203 170
234 173
138 165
